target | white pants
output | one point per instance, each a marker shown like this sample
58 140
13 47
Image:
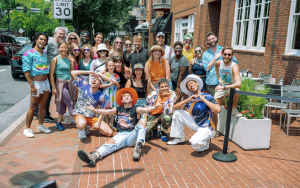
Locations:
200 140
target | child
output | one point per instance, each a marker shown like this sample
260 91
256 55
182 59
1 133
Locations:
110 88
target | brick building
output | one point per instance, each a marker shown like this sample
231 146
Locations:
265 34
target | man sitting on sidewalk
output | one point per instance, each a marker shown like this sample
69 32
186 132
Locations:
228 73
196 116
89 94
163 114
129 134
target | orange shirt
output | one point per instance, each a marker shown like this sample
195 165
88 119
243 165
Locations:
160 109
156 70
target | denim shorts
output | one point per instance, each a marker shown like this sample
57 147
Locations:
41 87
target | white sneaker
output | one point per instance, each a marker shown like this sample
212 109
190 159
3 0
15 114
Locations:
236 113
43 129
81 134
176 141
28 133
87 130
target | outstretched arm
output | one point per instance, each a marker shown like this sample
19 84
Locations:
144 110
101 111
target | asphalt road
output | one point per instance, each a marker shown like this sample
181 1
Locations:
14 97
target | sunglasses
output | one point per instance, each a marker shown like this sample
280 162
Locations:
229 55
86 50
199 51
73 38
76 50
188 40
102 51
119 42
128 44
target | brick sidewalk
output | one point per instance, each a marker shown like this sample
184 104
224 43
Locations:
25 161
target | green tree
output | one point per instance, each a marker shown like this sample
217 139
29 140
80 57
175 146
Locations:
101 15
4 4
34 22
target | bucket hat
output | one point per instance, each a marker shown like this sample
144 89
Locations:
187 79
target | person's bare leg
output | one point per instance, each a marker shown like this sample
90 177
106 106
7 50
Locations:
235 99
80 122
220 101
105 129
34 102
112 119
60 117
42 109
107 119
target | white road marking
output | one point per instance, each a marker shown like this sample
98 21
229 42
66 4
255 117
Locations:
2 70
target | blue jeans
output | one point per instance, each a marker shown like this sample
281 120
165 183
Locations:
124 139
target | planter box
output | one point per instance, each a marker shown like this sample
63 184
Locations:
247 133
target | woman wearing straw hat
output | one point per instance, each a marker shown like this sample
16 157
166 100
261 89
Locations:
98 64
130 133
157 67
197 115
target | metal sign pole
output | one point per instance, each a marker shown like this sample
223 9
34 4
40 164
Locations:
63 22
224 156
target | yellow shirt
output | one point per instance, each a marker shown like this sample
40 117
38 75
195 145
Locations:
189 55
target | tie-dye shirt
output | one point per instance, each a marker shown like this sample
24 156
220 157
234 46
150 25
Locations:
35 63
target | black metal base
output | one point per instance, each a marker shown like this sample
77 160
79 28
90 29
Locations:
229 157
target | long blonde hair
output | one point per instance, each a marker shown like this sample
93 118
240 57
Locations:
114 47
74 34
151 58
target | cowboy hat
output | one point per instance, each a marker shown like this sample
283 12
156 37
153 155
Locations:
157 47
186 80
130 90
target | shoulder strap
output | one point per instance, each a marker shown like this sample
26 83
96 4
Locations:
99 66
131 82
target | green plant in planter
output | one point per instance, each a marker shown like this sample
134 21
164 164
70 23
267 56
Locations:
251 107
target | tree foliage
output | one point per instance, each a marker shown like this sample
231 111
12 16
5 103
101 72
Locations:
34 22
101 15
4 4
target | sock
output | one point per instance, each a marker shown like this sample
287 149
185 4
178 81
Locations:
98 156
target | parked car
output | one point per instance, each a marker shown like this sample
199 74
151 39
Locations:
8 47
23 40
16 62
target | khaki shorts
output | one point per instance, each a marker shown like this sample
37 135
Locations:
221 93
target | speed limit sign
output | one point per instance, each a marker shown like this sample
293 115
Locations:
63 9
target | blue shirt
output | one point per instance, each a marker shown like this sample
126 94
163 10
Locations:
211 75
35 63
201 113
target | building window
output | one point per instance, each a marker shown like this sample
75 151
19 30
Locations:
250 25
293 36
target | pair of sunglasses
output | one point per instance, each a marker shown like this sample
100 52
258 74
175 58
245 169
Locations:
128 44
118 42
188 40
76 50
229 55
86 50
73 38
199 51
102 51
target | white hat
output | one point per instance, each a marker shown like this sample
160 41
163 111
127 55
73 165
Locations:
188 78
101 47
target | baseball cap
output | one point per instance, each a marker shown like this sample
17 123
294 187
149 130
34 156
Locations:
138 66
160 34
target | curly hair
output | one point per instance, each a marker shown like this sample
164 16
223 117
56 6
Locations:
38 36
74 34
178 43
127 38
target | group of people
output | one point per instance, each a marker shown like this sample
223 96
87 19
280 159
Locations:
137 92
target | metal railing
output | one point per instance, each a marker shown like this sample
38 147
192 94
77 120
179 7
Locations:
159 2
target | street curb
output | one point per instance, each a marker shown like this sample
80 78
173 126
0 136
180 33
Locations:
12 127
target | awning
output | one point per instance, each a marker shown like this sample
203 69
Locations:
144 27
163 24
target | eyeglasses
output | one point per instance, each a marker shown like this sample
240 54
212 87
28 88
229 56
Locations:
72 38
76 50
199 51
118 42
229 55
188 40
86 50
128 44
102 51
178 48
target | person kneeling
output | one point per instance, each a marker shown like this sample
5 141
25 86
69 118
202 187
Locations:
196 116
129 134
89 94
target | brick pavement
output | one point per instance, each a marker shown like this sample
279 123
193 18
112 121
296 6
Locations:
25 161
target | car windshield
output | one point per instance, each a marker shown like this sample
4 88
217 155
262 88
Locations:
21 39
24 49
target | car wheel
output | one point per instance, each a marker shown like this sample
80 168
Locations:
15 75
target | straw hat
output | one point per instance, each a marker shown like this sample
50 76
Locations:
186 80
130 90
157 47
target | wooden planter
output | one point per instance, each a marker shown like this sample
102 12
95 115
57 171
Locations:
249 134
